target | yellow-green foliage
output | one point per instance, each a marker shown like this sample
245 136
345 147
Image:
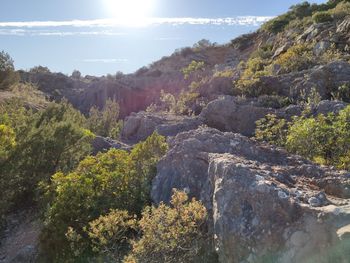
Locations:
323 139
30 94
183 102
302 13
271 129
113 180
46 141
227 73
8 75
296 12
172 234
277 24
312 138
7 141
192 68
322 17
107 238
253 70
105 122
296 58
341 10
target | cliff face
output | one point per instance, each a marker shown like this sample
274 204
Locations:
134 92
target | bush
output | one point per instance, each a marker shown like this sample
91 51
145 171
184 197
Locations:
277 24
40 70
322 17
8 75
48 141
322 139
193 68
253 70
7 141
301 10
105 122
107 238
271 129
175 233
113 180
298 57
312 138
341 10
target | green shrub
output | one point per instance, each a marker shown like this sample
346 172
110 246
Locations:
322 139
175 233
322 17
8 75
277 24
254 68
298 57
193 68
108 238
311 138
271 129
47 141
341 10
105 122
7 141
113 180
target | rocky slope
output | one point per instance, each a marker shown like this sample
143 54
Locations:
264 203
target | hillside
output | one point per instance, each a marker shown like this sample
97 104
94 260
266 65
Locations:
256 131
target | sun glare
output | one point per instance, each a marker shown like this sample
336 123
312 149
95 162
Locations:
130 12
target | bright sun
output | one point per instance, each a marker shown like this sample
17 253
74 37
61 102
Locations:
130 12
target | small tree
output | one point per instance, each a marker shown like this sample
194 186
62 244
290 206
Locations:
40 69
105 122
76 74
8 75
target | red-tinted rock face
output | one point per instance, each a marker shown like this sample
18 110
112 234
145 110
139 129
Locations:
131 92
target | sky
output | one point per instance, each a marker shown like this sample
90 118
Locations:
98 37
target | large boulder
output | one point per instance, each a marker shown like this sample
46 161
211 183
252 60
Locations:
265 205
138 126
325 79
234 114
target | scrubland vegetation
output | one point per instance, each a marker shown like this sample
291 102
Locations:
323 138
94 208
98 208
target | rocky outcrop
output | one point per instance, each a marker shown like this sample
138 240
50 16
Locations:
138 126
102 144
265 205
233 114
325 79
227 113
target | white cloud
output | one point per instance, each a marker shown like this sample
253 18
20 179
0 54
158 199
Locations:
106 60
110 27
229 21
30 32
